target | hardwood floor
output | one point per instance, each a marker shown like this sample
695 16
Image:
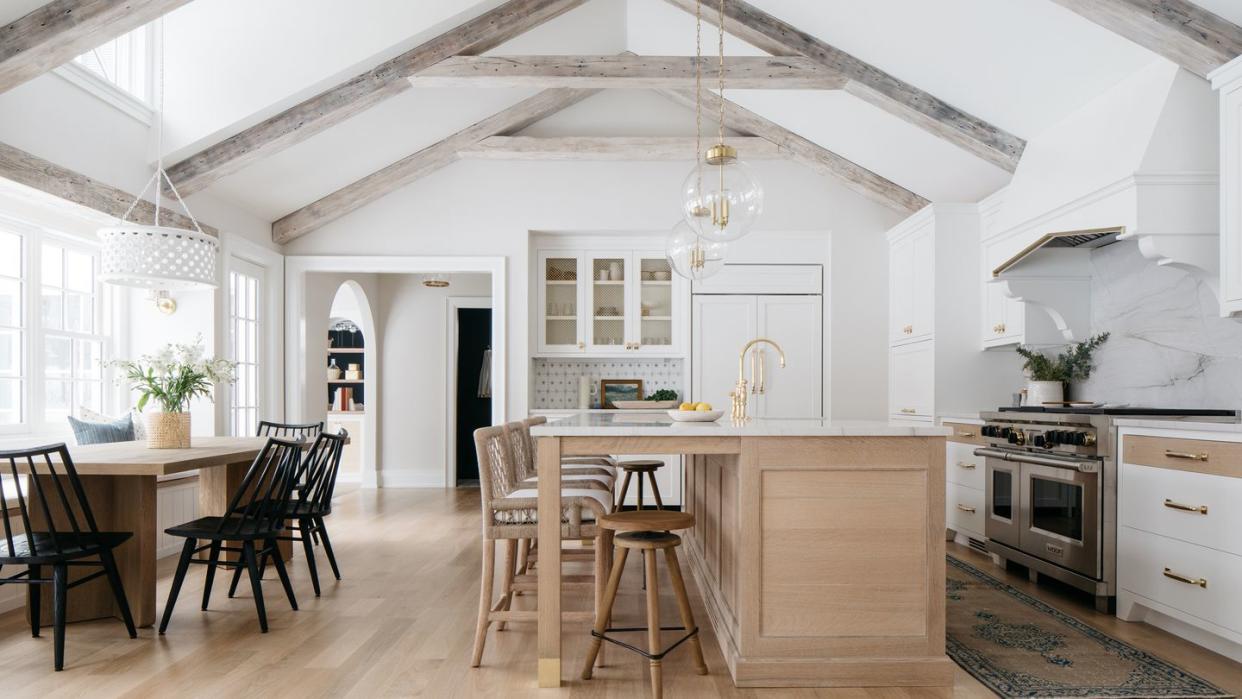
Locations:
401 624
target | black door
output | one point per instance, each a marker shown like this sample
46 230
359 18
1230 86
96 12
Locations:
474 402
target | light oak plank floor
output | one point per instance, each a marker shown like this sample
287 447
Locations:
401 624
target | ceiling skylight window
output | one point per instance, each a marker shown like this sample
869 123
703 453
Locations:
122 66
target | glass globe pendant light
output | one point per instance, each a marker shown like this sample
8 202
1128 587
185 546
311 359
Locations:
691 256
723 200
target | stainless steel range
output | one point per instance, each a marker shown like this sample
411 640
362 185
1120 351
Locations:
1052 490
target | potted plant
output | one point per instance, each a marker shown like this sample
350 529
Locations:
172 377
1048 376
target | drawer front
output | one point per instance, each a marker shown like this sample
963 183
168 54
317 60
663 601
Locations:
1195 507
1142 561
1196 455
962 466
965 434
964 510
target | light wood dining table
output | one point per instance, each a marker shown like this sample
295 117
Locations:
120 481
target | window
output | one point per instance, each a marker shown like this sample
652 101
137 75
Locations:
72 349
12 330
245 322
124 62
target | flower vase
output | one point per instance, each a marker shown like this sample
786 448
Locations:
168 430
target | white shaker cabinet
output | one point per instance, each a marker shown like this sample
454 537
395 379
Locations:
1004 318
912 294
1228 82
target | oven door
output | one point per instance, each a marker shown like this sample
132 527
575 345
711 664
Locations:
1060 515
1003 495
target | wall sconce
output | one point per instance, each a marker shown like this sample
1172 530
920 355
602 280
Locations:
163 301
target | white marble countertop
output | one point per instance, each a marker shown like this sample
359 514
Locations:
597 411
627 423
1190 425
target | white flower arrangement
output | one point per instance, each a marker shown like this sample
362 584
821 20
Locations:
175 375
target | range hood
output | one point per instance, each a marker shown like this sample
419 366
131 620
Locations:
1088 240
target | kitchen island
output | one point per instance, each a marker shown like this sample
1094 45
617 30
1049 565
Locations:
818 546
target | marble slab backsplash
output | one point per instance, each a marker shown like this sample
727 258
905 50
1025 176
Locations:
1169 346
556 380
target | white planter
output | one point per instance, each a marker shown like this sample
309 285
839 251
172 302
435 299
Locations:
1040 392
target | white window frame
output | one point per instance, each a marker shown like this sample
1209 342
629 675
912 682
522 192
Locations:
98 333
241 254
33 238
240 273
113 94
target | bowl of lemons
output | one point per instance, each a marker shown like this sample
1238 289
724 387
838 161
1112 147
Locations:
695 412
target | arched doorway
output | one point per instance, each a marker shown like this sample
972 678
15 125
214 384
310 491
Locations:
352 367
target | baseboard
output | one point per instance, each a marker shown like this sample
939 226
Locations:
408 479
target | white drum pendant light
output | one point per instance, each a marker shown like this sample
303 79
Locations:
154 256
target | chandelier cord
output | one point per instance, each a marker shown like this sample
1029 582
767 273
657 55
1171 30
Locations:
698 92
720 87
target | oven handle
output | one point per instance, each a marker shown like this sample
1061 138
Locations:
1071 464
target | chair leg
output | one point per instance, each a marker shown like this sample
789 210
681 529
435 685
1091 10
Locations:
653 622
237 573
282 572
485 600
118 590
683 606
308 546
36 599
60 590
506 578
601 620
523 560
655 490
625 488
213 560
256 583
603 550
183 564
327 546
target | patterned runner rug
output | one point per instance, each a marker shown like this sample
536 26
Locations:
1020 647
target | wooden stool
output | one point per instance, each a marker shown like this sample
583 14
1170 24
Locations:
640 467
647 532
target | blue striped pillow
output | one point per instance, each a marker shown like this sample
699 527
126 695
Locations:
121 430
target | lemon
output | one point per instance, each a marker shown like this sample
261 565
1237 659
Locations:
686 406
703 407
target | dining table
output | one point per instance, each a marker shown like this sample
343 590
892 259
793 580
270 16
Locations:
121 480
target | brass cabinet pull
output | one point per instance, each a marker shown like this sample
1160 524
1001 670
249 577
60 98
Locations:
1185 455
1201 582
966 434
909 330
908 411
963 464
971 510
1201 509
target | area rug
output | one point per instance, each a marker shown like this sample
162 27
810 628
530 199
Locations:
1021 647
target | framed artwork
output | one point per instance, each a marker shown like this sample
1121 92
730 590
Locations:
619 389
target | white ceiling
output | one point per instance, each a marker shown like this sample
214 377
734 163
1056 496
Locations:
1020 64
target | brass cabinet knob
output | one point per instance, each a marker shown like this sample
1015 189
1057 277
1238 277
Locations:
581 344
909 330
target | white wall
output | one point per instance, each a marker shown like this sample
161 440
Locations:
413 322
477 208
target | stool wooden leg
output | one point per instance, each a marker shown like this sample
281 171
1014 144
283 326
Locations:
640 493
523 560
506 578
683 605
601 620
655 490
653 622
485 599
603 545
625 487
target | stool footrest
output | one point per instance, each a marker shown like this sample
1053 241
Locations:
646 654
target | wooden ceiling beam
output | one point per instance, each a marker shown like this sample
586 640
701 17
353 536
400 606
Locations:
608 148
1181 31
356 95
61 30
626 71
871 84
811 154
45 176
410 168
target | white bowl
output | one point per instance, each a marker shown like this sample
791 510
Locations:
695 415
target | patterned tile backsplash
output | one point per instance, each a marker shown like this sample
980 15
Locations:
556 380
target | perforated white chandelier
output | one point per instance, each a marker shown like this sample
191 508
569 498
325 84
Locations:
154 256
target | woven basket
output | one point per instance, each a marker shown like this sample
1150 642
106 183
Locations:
168 430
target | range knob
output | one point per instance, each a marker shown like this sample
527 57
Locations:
1056 437
987 430
1040 441
1080 439
1088 439
1017 437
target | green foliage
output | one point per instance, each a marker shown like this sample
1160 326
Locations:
663 394
1072 365
174 375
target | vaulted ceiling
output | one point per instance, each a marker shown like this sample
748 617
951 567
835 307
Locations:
1007 70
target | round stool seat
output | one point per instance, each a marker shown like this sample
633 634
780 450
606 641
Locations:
647 521
640 465
647 540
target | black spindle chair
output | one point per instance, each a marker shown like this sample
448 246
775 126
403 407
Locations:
289 430
314 502
55 528
256 514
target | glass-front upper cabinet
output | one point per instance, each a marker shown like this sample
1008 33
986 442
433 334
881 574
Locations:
654 300
561 300
609 303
